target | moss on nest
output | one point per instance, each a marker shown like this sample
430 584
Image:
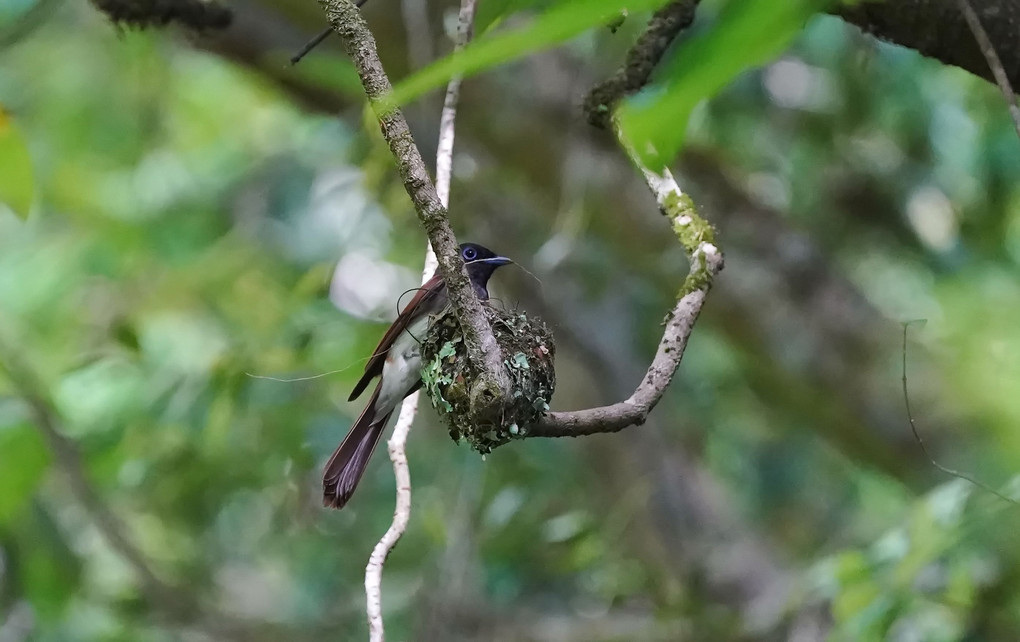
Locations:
528 353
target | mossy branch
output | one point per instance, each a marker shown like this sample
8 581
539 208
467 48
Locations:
694 233
697 237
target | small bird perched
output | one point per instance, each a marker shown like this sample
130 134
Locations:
397 363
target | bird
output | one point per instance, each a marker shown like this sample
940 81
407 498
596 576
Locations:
397 363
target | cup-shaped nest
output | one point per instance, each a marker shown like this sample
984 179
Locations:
528 351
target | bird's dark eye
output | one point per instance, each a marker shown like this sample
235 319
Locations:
470 254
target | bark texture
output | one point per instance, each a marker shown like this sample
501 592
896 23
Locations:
937 29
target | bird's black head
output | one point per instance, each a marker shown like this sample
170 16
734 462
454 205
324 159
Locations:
480 262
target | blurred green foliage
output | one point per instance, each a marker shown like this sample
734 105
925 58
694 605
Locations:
16 185
189 211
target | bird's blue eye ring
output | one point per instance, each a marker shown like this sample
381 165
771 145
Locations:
469 254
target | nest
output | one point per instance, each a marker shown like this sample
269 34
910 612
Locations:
528 351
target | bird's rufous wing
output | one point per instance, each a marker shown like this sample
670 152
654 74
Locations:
423 302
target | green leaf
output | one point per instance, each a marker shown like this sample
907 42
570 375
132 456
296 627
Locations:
23 460
16 185
560 23
492 12
747 34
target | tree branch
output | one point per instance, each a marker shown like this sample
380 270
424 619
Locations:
409 408
641 59
937 29
694 233
697 237
196 14
482 349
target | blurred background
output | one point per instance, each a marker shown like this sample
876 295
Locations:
205 215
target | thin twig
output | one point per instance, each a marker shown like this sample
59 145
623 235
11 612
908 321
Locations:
317 40
920 440
311 44
444 153
994 63
396 446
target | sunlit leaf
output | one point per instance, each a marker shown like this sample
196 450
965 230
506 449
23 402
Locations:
492 12
16 186
558 24
747 34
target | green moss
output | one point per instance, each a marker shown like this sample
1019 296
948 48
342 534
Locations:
690 228
698 278
692 231
453 385
434 379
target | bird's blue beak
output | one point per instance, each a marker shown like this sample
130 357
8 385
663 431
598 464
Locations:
498 260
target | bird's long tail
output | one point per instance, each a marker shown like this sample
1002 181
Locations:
345 468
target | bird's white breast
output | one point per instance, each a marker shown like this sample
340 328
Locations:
402 368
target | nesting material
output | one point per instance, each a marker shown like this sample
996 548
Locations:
528 352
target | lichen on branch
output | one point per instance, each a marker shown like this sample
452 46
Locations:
529 350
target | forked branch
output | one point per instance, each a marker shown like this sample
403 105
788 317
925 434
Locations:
694 233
